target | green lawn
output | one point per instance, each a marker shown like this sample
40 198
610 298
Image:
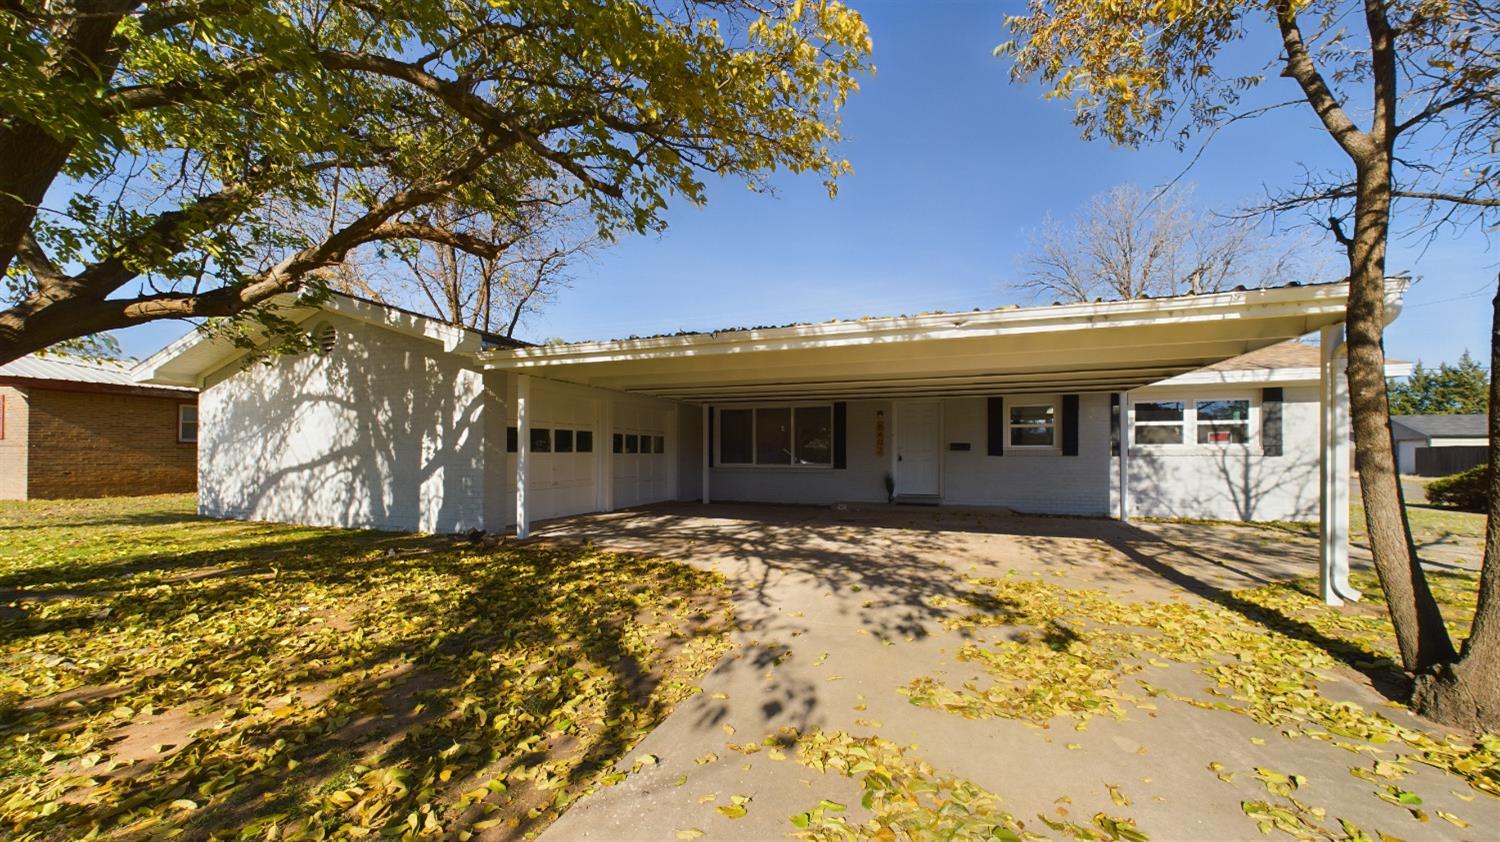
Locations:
161 673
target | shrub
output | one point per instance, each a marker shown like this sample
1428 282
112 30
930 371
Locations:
1466 490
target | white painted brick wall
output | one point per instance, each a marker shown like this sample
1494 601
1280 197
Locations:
386 432
1234 483
1027 481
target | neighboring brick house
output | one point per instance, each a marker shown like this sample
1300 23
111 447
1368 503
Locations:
73 428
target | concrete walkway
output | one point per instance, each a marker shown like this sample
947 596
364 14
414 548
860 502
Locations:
834 616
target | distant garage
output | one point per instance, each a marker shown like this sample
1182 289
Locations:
1439 445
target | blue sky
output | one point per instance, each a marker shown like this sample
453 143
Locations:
953 165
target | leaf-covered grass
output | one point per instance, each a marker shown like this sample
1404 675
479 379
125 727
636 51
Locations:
161 672
1429 524
1072 654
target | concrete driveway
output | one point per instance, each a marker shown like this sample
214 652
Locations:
835 615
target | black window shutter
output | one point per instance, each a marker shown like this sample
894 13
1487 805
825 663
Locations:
840 434
710 456
1270 421
1070 425
997 426
1114 424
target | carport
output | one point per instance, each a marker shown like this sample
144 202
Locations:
1091 351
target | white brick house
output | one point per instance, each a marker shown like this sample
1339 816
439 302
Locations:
401 422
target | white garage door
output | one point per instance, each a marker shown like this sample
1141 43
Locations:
639 450
561 468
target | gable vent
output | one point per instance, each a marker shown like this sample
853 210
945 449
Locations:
325 338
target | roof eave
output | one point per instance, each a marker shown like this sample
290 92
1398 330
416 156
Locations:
1324 298
216 352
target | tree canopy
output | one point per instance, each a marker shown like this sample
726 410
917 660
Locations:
1458 389
199 158
1409 93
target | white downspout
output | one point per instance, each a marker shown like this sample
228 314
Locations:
1333 471
523 448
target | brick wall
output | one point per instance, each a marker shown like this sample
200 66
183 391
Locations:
12 443
85 444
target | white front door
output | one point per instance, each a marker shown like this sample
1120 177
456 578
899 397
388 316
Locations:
918 426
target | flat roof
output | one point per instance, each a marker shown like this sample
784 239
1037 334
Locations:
1087 347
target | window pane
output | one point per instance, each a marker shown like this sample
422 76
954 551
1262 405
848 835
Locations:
512 436
563 440
1031 426
1219 433
658 444
1031 414
632 443
1158 433
735 437
619 443
585 441
1031 435
188 413
773 436
541 440
814 435
187 432
1223 411
1159 411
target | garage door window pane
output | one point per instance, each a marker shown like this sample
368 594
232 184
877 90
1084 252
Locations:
814 429
563 441
773 436
736 437
632 443
658 444
585 441
619 442
541 440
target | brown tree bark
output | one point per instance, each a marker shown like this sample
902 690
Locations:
1467 692
1420 633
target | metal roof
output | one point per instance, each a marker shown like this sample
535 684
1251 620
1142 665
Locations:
1476 426
72 370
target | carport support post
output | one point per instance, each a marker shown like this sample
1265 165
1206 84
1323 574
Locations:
1125 457
704 451
1333 472
523 447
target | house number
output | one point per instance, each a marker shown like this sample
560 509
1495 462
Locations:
880 433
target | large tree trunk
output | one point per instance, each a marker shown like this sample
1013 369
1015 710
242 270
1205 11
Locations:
1467 693
1420 634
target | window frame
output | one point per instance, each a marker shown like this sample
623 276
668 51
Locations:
793 406
1183 423
1024 401
194 407
1190 423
